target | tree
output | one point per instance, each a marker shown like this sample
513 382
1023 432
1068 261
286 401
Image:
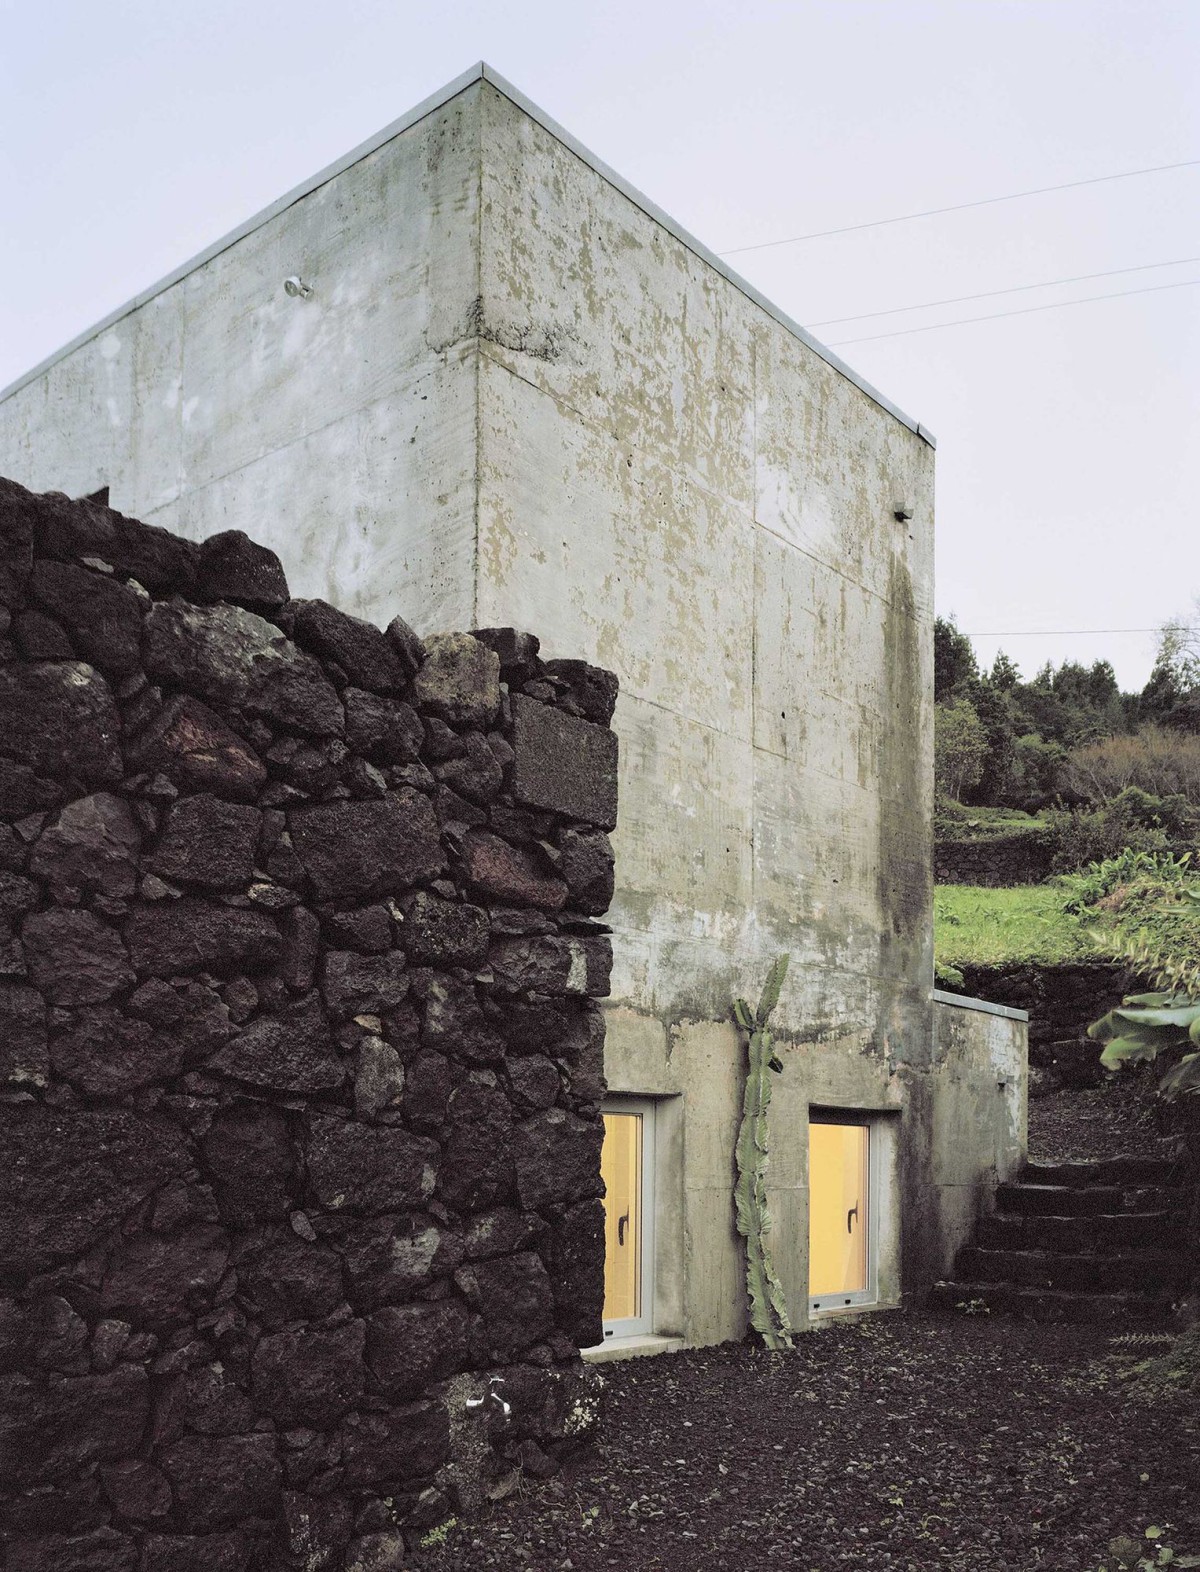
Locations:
1172 695
960 748
1005 673
955 668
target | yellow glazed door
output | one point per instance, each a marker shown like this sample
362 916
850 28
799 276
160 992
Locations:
620 1168
838 1224
626 1166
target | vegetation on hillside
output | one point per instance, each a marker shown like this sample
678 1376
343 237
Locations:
1018 744
1067 756
999 927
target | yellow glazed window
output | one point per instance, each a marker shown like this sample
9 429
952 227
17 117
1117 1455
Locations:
838 1224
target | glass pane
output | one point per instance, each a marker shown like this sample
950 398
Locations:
621 1170
837 1209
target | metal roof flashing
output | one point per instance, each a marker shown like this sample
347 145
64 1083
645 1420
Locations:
481 72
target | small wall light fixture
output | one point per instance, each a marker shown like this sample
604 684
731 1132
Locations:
296 287
902 512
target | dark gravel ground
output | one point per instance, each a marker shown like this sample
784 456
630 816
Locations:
902 1441
899 1441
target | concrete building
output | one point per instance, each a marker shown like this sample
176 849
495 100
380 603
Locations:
469 374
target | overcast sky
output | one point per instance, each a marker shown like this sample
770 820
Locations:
135 132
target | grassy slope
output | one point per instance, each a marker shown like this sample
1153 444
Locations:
993 927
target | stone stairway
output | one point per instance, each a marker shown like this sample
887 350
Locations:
1079 1241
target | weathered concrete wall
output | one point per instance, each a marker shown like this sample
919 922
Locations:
300 1064
549 407
338 430
693 495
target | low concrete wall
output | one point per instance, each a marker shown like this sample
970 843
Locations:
979 1125
300 1064
1062 1002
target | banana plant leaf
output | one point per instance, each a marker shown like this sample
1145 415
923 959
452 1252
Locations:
1126 1050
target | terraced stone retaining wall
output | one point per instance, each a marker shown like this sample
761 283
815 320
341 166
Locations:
299 1056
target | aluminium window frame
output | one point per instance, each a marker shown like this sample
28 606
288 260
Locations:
627 1327
821 1305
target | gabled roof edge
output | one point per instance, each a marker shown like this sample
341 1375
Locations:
480 72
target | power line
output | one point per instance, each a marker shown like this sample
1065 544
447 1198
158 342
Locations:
1056 633
959 207
1024 311
989 294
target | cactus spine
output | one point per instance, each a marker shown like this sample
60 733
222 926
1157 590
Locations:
768 1310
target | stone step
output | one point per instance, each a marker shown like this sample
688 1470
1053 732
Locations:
1050 1304
1128 1170
1158 1273
1057 1200
1101 1233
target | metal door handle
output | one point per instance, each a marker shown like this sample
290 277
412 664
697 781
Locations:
853 1212
621 1221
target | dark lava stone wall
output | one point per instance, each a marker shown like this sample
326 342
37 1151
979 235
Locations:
998 860
299 1056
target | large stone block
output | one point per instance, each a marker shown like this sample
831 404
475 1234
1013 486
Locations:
513 875
368 658
208 842
194 1553
193 935
93 845
58 718
74 958
101 1550
369 1168
438 932
160 561
231 566
231 656
557 1158
576 1257
454 1023
563 764
411 1346
354 850
591 690
248 1156
195 749
68 1175
50 1431
288 1052
104 1053
103 616
311 1376
404 1444
478 1164
160 1277
389 1259
587 862
385 729
514 1296
283 1278
193 1016
220 1480
354 984
459 681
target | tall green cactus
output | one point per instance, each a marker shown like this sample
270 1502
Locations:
768 1310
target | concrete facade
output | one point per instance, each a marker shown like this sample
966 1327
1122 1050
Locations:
552 408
